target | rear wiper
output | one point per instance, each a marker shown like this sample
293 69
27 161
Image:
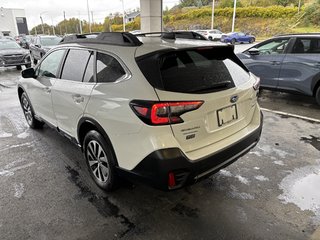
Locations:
214 86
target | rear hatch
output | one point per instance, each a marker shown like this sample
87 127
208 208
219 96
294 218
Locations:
213 75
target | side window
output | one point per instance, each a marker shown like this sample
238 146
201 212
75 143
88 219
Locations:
75 65
276 46
306 45
50 65
108 68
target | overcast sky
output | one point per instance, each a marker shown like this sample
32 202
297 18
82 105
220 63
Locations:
52 10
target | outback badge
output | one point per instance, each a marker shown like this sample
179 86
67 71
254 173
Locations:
234 98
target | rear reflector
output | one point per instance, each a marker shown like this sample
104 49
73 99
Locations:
162 113
171 180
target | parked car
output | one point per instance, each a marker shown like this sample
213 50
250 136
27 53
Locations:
40 45
212 34
11 54
7 37
239 37
288 63
197 113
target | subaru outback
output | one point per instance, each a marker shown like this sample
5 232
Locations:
161 110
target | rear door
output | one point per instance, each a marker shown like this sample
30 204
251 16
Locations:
268 63
212 76
71 93
301 65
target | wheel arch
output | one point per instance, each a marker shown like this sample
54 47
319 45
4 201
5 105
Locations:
315 84
87 124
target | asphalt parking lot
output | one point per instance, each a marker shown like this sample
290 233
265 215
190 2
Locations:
271 193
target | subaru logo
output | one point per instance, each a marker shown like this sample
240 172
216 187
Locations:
234 98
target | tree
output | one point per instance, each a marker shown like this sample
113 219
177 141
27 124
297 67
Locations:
197 3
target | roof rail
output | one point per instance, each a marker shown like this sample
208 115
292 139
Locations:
174 35
112 38
297 34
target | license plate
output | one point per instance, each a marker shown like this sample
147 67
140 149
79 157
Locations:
227 115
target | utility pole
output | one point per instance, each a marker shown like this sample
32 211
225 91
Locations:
92 19
80 25
65 22
53 30
42 28
234 15
89 16
123 16
212 14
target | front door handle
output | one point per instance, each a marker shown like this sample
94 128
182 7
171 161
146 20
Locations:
275 62
77 98
47 90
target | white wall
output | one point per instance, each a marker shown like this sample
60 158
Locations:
8 20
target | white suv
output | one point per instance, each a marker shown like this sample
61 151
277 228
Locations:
165 111
212 34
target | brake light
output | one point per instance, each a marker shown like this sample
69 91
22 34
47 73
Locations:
162 113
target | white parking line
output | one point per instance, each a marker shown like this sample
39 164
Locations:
292 115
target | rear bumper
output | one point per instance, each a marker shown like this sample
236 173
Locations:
155 168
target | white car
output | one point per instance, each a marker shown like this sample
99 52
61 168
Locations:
212 34
167 112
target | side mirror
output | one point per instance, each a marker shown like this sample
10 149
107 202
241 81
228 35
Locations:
38 46
28 73
254 51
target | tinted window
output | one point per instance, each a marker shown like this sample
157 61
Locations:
75 65
108 68
306 45
276 46
50 65
195 71
89 76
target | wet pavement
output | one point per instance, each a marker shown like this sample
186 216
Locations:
271 193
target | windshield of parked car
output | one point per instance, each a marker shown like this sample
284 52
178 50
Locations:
50 41
9 45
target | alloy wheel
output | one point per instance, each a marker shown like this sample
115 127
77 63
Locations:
27 110
98 161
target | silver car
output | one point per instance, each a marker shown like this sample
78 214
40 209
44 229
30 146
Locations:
289 63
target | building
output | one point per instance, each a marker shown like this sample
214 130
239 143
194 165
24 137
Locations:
13 22
131 16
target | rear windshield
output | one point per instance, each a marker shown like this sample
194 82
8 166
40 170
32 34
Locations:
199 70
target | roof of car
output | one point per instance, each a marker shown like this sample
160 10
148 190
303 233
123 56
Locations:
153 44
144 44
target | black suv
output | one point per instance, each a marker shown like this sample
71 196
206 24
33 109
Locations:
289 63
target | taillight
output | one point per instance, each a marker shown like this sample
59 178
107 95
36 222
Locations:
162 113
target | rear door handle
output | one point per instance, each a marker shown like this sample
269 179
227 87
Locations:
77 98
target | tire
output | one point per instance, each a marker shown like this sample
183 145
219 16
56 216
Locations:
35 61
318 95
101 161
29 113
233 41
251 40
210 38
28 65
18 67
